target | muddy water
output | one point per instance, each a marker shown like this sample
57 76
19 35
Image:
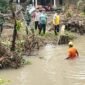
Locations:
50 67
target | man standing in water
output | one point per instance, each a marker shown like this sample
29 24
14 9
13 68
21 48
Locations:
72 52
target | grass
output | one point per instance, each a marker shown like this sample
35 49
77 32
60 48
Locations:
3 81
48 35
27 62
71 35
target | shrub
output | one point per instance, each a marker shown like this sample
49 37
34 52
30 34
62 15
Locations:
3 5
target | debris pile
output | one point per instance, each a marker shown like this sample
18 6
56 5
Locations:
64 39
9 59
32 43
76 24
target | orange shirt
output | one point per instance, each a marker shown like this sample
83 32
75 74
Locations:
72 52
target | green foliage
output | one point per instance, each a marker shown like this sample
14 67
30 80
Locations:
18 25
84 10
4 5
68 14
27 62
2 20
71 35
81 5
2 81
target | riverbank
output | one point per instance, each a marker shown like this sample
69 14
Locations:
26 45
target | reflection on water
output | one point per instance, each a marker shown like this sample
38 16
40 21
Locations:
52 69
75 72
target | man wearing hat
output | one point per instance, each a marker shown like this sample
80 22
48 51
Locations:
72 52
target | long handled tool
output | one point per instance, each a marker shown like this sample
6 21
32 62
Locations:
62 30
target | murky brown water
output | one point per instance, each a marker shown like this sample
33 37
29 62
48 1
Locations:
53 69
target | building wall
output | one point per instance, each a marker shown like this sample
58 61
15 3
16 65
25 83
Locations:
58 2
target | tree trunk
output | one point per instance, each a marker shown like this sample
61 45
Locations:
14 37
15 31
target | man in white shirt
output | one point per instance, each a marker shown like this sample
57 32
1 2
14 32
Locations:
37 15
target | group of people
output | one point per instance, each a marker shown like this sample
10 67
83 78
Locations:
41 21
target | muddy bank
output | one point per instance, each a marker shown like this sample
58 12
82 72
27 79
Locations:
35 42
27 46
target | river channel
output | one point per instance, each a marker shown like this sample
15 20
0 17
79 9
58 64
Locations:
49 67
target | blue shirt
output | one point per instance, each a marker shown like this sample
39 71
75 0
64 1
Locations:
43 19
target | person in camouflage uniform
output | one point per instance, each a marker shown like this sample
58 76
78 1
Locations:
27 17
